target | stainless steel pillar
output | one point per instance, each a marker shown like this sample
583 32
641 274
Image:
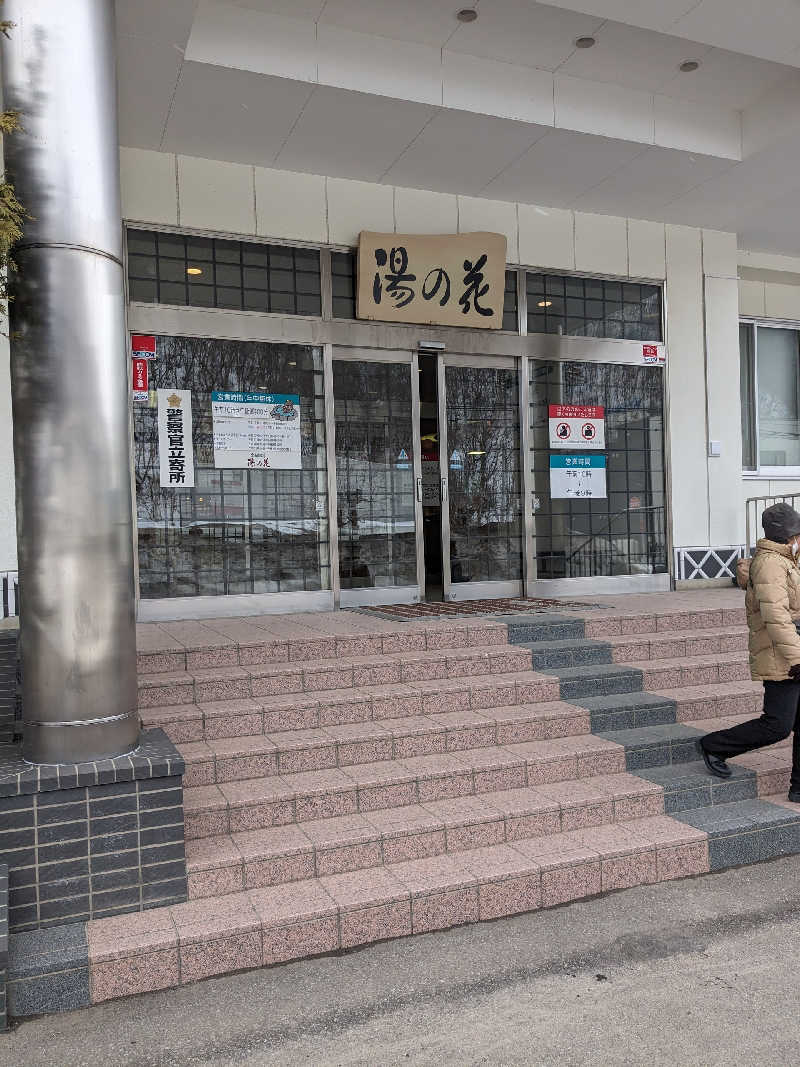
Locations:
69 385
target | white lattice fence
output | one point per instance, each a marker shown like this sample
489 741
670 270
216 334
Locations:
695 563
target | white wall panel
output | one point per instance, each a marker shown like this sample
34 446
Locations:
686 385
546 237
751 298
688 125
356 206
216 196
646 249
781 301
291 205
720 257
420 211
602 108
149 187
379 65
487 87
492 216
601 244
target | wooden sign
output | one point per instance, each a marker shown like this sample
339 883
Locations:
456 280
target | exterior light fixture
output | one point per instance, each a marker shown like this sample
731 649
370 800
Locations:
475 452
194 270
585 42
467 14
688 66
545 304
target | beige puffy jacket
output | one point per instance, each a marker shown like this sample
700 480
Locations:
773 603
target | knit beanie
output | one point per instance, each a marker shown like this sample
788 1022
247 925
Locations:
780 522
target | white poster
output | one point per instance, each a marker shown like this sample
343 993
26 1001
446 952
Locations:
175 450
573 426
256 430
577 477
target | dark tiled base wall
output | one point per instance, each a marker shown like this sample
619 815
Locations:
3 944
93 840
8 684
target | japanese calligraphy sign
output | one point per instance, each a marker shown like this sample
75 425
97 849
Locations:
577 477
175 449
456 280
140 377
572 426
256 430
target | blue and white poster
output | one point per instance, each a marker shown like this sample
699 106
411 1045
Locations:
578 477
256 431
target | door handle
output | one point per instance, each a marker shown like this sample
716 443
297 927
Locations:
444 490
419 490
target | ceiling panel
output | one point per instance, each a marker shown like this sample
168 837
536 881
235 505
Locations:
219 113
147 71
424 21
170 22
727 79
649 182
650 14
352 135
769 29
293 9
461 152
560 167
519 31
632 56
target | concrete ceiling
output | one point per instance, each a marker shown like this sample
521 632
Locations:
506 107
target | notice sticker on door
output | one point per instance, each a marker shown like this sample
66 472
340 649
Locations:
256 430
653 355
577 477
576 426
140 377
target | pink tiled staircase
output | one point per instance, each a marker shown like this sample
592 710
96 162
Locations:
380 780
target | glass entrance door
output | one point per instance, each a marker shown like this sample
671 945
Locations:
483 535
378 481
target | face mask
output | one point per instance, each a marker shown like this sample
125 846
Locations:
795 548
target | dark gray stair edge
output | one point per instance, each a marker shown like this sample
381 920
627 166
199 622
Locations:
48 970
752 831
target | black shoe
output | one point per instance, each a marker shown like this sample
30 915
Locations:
716 765
794 796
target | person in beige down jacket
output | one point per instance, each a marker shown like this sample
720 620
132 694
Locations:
773 604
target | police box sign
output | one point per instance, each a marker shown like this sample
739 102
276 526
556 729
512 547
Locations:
456 280
573 426
175 448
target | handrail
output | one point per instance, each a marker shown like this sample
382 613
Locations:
754 505
611 518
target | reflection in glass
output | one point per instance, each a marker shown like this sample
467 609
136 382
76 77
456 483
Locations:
625 533
374 474
778 398
483 444
237 531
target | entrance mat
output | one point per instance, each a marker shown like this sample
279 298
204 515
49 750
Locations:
504 606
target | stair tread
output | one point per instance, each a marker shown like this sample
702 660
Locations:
684 773
224 849
613 670
733 630
399 770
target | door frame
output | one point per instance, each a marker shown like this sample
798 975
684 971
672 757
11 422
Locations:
456 591
394 594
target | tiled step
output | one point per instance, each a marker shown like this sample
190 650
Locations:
523 629
254 859
742 698
750 831
167 947
316 676
258 803
306 711
689 785
604 627
627 711
598 680
657 746
695 670
562 655
194 652
682 644
323 748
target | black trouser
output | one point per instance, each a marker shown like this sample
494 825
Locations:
781 715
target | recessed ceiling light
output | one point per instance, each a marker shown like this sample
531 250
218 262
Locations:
476 452
467 14
194 270
688 66
545 304
585 42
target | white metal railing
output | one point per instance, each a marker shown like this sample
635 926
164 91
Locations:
9 594
753 509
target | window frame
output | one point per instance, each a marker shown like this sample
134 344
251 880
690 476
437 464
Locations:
760 471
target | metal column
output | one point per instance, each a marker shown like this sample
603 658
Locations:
70 385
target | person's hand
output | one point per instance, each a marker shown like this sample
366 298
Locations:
794 672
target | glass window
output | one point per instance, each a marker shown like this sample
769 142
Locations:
623 533
747 378
593 307
169 268
343 279
777 367
237 531
510 303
